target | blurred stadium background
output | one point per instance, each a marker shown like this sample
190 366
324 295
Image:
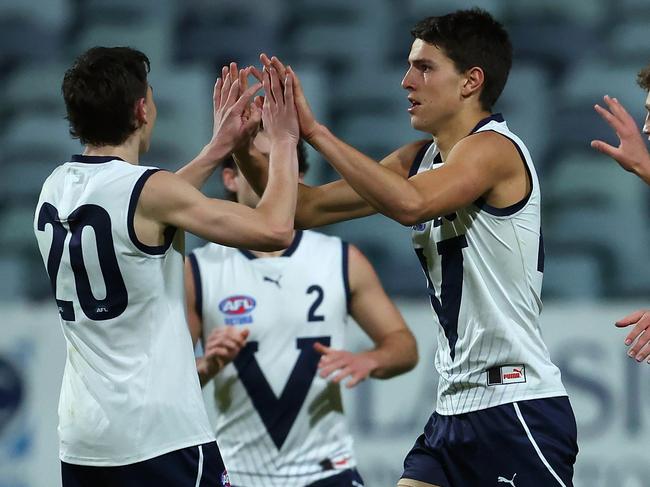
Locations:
351 56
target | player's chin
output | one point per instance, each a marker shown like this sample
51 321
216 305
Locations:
418 124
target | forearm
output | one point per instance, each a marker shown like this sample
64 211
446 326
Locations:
198 170
642 168
278 202
395 354
254 166
386 191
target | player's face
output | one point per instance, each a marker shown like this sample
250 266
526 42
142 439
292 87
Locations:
646 125
151 114
434 87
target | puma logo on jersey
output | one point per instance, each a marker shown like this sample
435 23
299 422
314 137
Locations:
506 374
506 481
274 281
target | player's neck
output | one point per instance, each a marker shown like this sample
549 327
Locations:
456 129
128 151
276 253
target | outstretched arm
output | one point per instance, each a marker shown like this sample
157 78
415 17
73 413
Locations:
395 350
169 200
632 152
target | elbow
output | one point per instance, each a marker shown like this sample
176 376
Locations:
279 237
408 212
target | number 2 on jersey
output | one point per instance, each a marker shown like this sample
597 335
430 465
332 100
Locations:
99 220
448 306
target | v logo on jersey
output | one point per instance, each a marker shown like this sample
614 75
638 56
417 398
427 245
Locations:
279 413
506 481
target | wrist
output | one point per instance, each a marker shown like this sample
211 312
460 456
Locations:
216 151
317 131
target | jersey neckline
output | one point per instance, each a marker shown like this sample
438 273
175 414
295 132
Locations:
94 159
287 253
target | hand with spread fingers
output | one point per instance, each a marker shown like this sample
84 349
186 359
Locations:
278 109
308 123
631 153
236 119
639 337
341 364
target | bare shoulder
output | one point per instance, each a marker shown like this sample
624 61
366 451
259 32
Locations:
163 189
492 149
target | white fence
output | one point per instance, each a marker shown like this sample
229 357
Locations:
610 394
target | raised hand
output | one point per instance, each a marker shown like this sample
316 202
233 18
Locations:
639 337
631 153
221 348
278 110
236 120
308 123
343 364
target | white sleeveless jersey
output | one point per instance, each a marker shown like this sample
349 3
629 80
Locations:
484 270
278 422
130 389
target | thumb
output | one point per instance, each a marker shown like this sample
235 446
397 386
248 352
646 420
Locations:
320 348
606 149
245 333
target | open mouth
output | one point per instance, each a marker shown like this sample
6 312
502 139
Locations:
413 105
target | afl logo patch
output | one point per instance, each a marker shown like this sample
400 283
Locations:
237 305
419 227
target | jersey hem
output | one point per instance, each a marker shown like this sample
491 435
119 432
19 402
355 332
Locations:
106 462
474 406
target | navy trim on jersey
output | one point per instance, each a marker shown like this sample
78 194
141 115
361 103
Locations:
345 252
288 252
198 289
94 159
418 159
133 203
496 117
512 209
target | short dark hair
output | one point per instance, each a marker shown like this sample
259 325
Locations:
472 38
303 166
643 78
100 91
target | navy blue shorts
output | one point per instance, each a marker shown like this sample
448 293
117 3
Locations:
195 466
522 444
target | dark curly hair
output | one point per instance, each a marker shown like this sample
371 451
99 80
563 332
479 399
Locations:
472 38
643 78
100 91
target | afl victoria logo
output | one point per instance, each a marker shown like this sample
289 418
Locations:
237 305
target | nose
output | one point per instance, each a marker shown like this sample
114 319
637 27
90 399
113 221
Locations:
646 125
407 83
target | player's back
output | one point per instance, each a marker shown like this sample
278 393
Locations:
484 268
130 390
278 422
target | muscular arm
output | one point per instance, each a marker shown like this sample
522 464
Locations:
395 350
473 168
170 200
329 203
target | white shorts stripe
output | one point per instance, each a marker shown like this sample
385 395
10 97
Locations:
199 474
534 443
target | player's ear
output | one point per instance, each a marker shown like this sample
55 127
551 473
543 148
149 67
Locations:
228 176
140 110
473 81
